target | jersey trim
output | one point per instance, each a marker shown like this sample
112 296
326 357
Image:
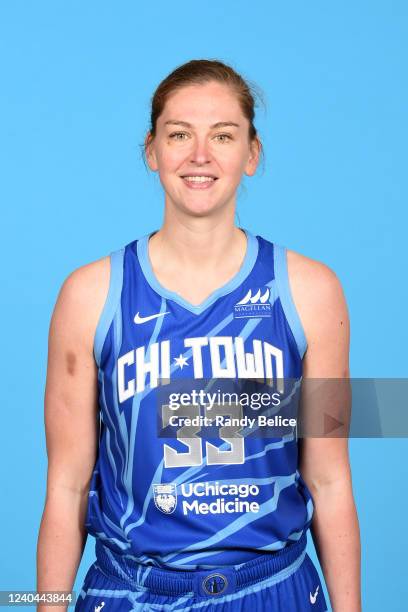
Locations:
111 302
286 298
248 263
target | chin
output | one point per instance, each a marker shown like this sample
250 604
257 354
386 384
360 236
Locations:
201 210
196 208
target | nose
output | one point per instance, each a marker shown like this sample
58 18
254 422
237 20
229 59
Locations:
201 151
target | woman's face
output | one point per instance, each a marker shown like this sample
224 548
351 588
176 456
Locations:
202 132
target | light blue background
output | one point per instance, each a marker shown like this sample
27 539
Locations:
76 79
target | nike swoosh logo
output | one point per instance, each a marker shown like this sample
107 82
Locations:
139 319
314 596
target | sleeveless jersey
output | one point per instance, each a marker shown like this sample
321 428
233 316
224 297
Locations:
187 502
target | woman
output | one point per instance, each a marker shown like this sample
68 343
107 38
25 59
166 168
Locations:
195 522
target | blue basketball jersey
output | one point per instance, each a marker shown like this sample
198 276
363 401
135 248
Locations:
187 502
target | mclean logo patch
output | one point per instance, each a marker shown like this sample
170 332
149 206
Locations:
254 304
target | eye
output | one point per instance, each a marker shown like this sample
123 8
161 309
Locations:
227 136
174 134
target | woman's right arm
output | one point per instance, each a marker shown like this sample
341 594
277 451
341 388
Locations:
71 426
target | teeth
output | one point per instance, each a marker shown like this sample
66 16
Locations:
198 179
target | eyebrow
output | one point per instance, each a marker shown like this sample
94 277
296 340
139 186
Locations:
215 125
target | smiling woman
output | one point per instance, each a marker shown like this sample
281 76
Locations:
218 143
198 299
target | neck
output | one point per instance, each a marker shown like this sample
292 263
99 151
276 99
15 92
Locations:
197 243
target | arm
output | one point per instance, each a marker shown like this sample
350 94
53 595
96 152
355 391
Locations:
323 461
72 426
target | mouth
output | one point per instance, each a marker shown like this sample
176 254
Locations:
199 181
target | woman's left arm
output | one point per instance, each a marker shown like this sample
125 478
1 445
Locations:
324 461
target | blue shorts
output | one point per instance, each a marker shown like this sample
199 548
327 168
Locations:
283 581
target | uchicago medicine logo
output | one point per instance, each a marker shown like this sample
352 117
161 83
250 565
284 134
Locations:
207 498
165 497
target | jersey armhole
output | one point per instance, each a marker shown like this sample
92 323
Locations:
286 298
111 302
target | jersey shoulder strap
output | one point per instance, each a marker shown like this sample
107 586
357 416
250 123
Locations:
111 302
286 297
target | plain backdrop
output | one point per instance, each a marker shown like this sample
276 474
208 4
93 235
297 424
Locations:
76 81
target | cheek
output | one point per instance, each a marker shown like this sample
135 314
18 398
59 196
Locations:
233 167
171 159
232 161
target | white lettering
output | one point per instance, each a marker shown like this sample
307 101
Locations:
124 393
228 371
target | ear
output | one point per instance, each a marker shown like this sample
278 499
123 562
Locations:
253 159
150 152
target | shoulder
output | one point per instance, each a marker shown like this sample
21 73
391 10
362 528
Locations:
80 301
85 281
318 295
312 277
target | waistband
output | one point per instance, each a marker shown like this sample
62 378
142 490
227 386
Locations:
205 583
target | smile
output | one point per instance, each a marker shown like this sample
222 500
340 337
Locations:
198 182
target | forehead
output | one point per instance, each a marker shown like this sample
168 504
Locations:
206 103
